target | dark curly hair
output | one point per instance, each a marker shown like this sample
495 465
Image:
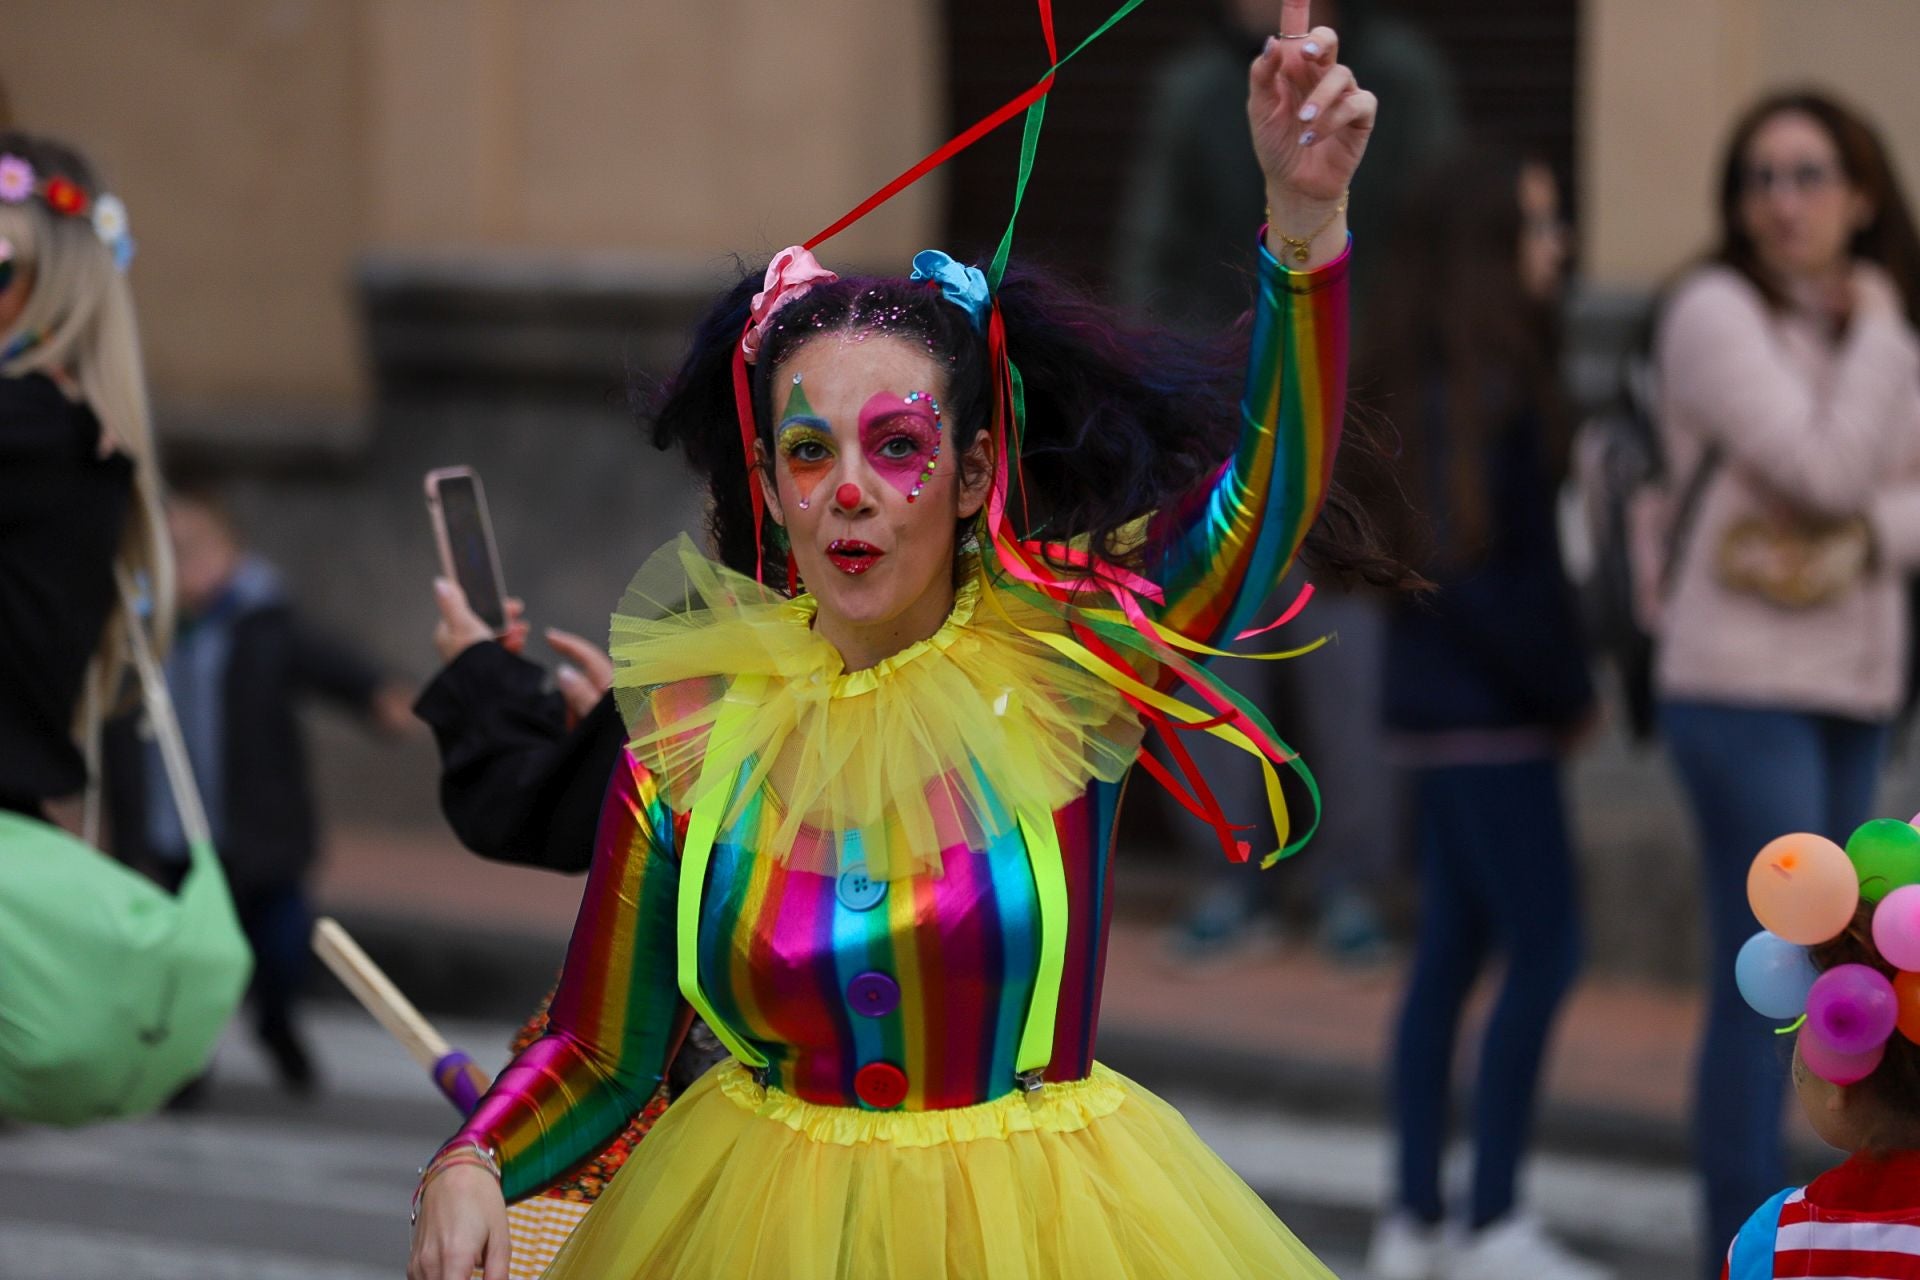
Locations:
1120 420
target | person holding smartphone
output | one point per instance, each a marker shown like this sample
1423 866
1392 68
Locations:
522 765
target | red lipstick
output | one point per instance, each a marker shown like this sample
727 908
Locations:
852 556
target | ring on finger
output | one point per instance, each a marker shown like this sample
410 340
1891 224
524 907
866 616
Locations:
1301 35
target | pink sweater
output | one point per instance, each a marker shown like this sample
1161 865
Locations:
1831 427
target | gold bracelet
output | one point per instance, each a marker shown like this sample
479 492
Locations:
1302 245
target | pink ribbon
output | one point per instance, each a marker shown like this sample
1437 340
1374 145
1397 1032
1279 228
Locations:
793 271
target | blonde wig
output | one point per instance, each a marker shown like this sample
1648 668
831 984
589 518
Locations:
78 328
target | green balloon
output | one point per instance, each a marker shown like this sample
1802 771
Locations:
1886 855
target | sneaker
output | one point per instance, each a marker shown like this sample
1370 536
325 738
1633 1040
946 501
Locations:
1224 927
1403 1248
1350 933
1517 1247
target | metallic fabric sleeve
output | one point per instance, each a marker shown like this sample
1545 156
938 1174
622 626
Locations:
617 1017
1227 545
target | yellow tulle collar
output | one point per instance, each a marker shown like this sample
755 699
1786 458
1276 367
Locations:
945 743
850 684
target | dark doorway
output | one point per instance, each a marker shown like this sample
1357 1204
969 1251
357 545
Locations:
1514 61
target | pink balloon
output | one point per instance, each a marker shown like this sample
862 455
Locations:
1896 927
1837 1068
1851 1008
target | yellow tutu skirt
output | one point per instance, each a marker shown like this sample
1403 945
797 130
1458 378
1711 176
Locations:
1097 1178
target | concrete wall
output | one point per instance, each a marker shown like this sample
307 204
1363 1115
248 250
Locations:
262 145
1662 82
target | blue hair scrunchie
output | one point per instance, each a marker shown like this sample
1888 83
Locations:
965 287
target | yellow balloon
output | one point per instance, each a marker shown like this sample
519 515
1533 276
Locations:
1803 888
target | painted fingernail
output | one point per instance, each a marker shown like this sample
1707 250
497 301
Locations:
1306 139
1309 111
1271 42
1311 48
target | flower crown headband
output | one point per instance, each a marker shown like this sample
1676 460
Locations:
67 198
794 272
1806 891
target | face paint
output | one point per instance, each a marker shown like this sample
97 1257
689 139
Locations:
901 439
805 443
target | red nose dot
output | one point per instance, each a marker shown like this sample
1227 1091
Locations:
848 496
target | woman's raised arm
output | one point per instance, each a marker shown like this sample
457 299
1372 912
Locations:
1229 543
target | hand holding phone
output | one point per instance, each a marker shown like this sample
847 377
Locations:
458 508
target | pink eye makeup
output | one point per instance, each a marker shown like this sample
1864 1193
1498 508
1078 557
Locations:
901 439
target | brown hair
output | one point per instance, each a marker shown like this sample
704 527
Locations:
1894 1086
1457 350
1888 239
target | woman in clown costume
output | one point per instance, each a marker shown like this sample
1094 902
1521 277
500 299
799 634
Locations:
863 825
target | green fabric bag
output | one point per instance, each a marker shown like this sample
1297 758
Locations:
112 991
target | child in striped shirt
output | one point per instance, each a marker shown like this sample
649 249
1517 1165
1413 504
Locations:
1860 1220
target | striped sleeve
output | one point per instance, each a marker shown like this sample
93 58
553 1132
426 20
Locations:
1226 546
1810 1242
617 1017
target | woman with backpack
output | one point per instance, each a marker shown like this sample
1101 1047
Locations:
1788 399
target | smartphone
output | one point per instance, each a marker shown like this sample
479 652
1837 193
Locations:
458 507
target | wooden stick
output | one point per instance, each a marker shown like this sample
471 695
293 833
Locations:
336 947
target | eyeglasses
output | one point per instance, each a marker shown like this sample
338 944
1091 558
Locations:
1801 179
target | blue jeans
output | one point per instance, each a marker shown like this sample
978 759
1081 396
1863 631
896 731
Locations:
1751 775
1496 876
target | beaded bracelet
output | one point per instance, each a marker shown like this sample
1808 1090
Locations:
463 1153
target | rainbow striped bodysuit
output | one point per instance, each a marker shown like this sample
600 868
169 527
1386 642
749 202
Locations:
908 993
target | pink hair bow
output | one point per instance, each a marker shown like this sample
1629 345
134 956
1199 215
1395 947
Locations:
793 271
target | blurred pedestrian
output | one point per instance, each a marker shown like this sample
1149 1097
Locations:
243 661
1486 687
1788 384
1194 197
79 483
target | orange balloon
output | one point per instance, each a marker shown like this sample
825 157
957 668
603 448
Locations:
1906 994
1803 888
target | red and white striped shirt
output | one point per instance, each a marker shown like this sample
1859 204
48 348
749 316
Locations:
1860 1221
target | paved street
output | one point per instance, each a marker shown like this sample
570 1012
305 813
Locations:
257 1187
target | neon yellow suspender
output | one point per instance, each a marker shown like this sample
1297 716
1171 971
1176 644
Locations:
1050 886
703 825
703 828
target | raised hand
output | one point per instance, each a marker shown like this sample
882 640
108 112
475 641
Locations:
1310 122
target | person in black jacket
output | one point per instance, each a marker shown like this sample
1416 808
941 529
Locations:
1486 686
79 483
243 660
524 761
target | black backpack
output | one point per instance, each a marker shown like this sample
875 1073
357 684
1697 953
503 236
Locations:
1618 457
